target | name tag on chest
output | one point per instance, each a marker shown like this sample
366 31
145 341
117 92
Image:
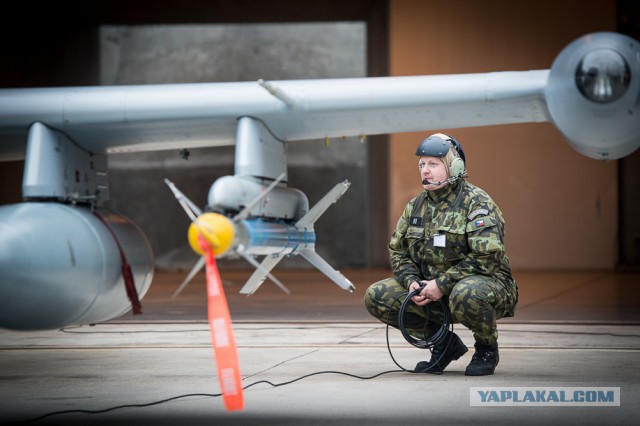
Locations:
415 221
439 240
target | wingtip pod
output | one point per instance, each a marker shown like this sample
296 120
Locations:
592 95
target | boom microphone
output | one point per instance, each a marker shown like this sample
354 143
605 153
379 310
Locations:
448 180
451 179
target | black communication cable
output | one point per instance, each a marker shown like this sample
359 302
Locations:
431 340
208 395
427 343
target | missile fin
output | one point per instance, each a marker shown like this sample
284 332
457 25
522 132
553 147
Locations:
261 273
321 206
316 260
196 268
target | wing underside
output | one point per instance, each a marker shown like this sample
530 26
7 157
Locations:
113 119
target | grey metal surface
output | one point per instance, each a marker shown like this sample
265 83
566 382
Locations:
60 264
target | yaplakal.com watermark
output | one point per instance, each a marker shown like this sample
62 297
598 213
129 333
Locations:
544 396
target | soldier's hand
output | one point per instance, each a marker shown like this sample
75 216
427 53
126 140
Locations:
420 299
432 291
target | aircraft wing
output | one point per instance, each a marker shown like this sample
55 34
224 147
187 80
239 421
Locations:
590 93
175 116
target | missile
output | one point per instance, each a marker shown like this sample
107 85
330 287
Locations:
277 232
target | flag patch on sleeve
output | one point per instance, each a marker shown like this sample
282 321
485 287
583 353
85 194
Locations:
481 223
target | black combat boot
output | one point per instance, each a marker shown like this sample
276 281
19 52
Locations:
484 361
450 349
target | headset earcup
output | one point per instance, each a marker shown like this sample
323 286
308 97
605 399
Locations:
456 168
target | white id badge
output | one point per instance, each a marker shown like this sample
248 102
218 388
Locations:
439 240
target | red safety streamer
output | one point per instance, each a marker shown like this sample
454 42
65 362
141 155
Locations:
224 343
127 274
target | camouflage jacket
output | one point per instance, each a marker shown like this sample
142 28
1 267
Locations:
449 234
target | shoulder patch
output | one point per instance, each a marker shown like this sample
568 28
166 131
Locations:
480 223
415 221
477 213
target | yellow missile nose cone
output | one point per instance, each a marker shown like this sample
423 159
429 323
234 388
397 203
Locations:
216 229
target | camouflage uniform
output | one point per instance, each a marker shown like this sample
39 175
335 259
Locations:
454 235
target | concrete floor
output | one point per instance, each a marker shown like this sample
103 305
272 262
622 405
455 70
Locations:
571 329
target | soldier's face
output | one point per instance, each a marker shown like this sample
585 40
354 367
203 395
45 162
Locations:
432 169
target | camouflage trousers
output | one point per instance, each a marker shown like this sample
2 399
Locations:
476 302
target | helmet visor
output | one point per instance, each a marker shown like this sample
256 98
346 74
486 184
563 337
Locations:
433 146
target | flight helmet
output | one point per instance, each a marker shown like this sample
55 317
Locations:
446 148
